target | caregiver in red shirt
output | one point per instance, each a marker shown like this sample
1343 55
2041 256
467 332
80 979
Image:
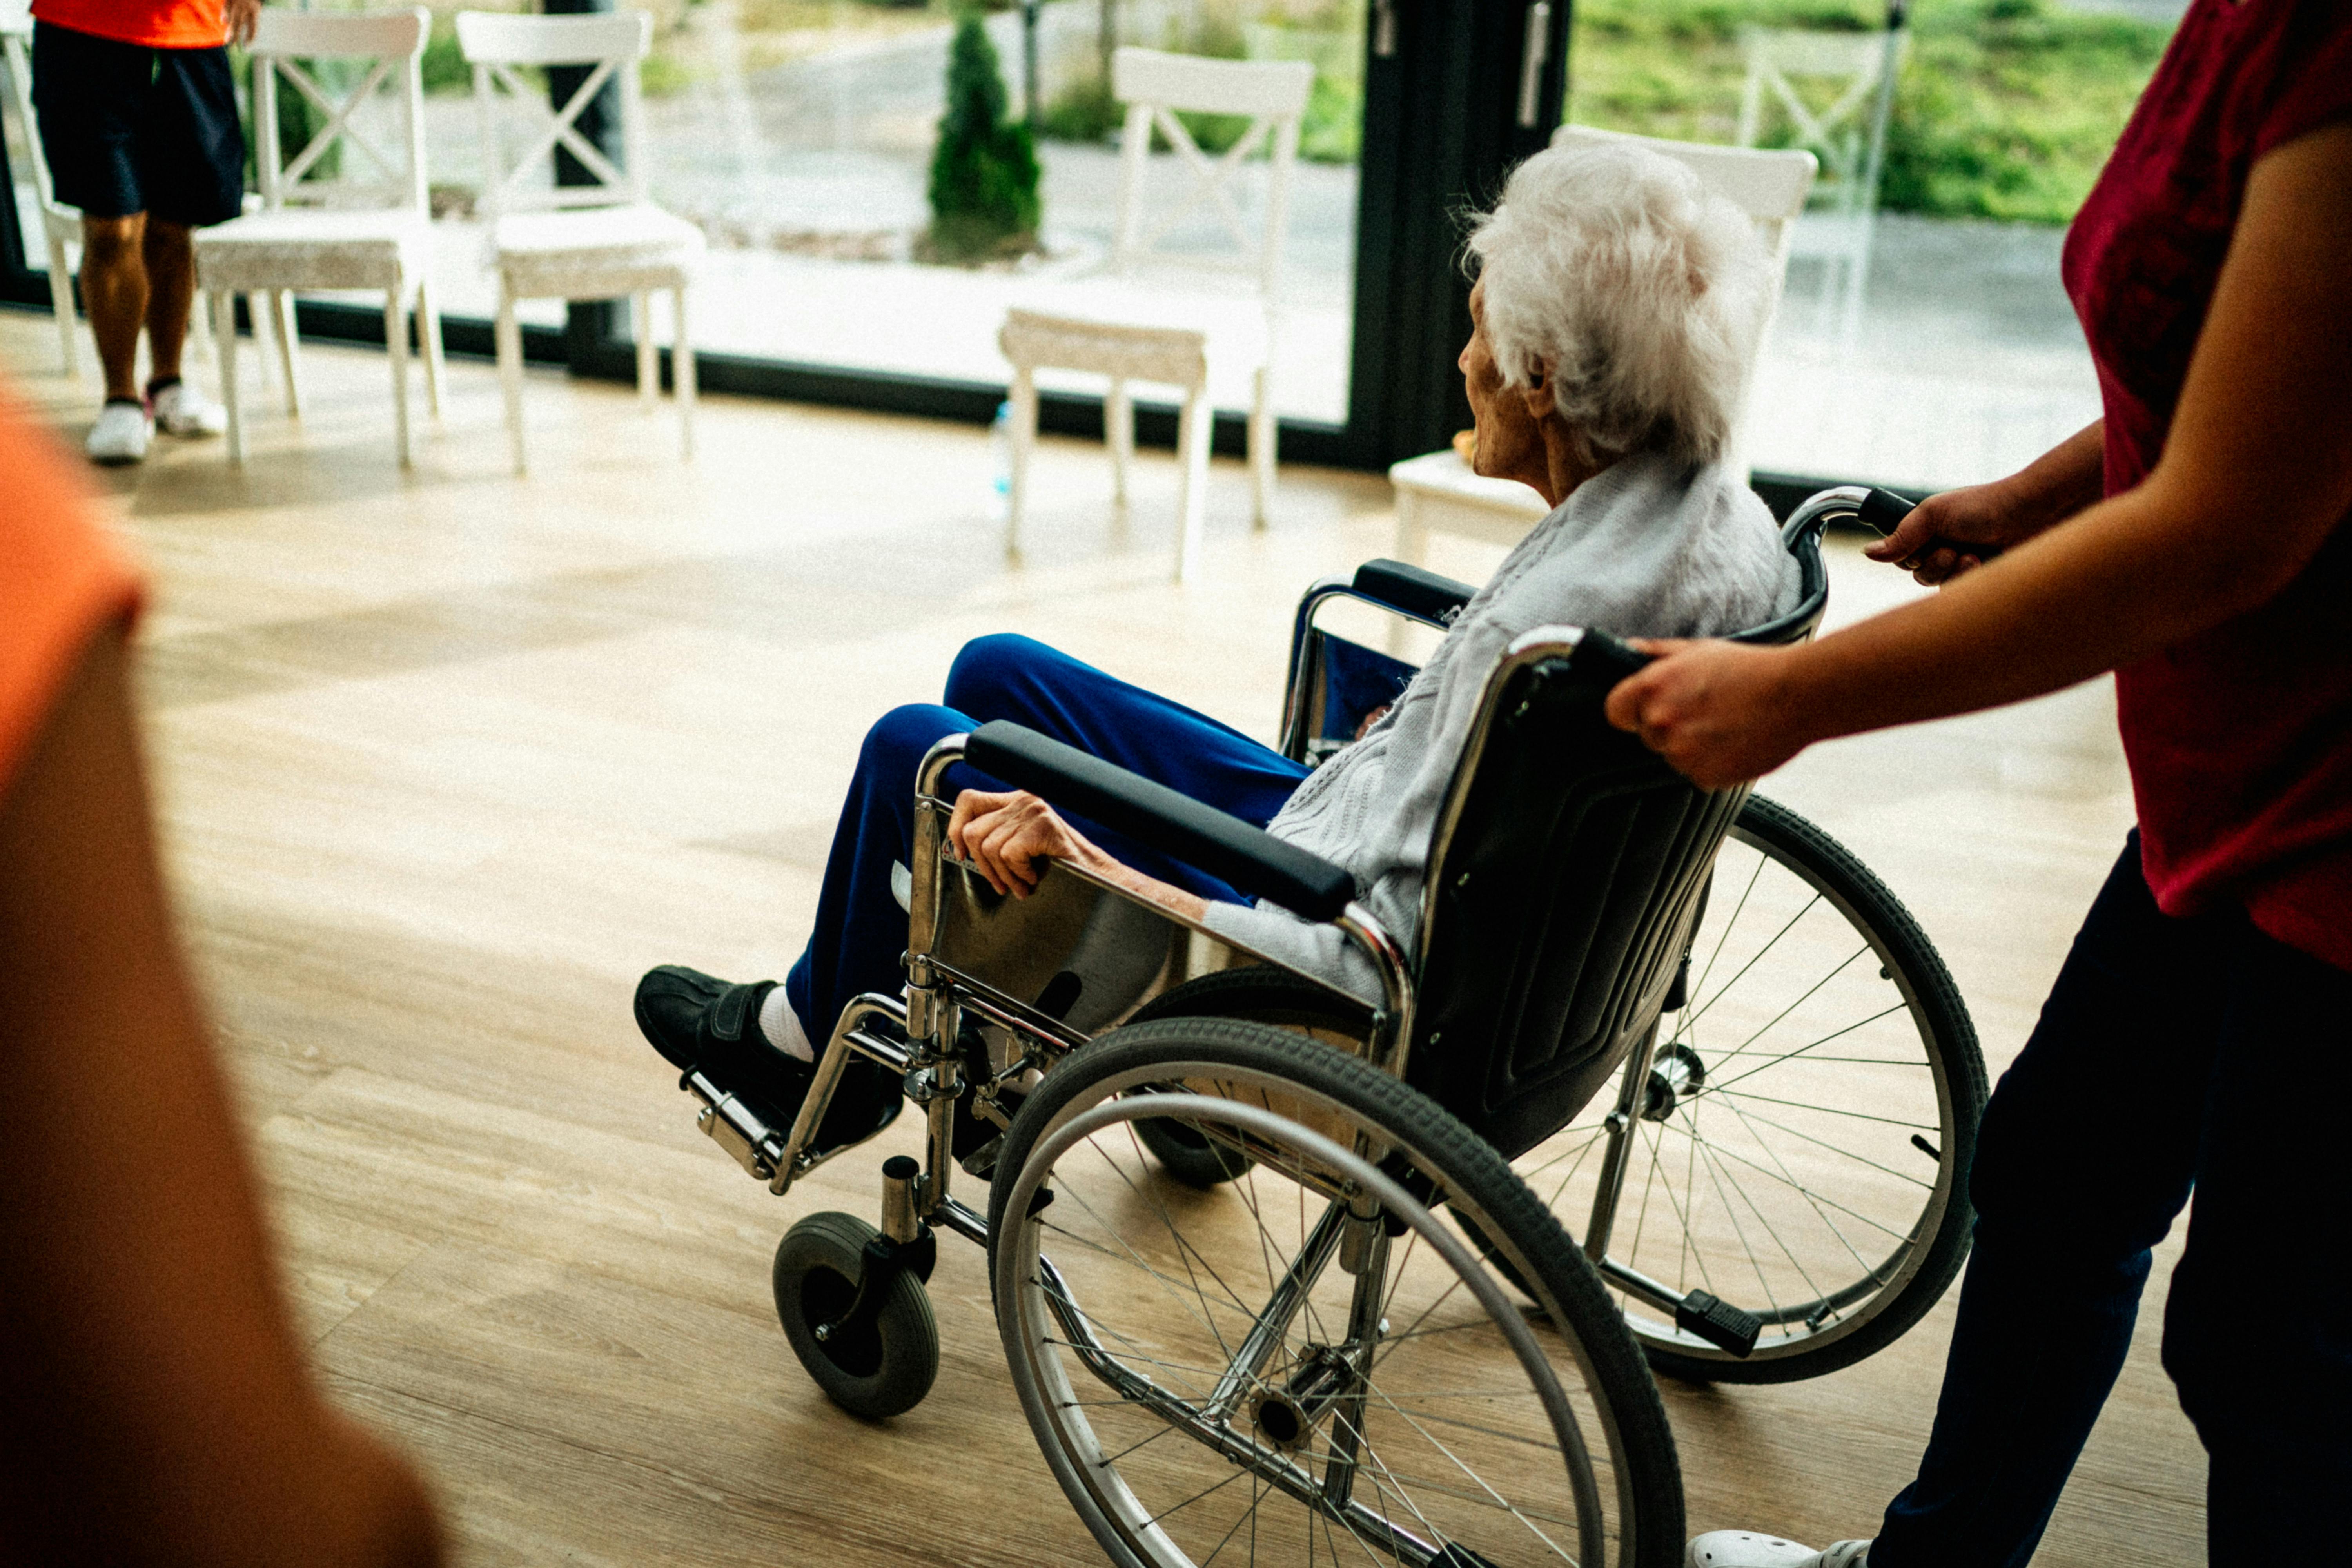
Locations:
2199 1034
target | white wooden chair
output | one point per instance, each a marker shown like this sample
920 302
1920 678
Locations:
1437 491
366 228
596 241
60 224
1848 134
1122 327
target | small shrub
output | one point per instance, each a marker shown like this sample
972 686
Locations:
1083 111
984 171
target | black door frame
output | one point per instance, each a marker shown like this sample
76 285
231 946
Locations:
1448 109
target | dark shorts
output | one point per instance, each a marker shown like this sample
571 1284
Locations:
128 129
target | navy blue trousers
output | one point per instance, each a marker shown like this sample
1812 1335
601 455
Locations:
861 931
2171 1054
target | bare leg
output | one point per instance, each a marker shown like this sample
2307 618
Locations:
114 290
170 260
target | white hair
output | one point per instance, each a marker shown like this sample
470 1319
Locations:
1642 290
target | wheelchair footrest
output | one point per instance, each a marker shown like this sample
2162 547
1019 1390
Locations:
736 1127
1718 1323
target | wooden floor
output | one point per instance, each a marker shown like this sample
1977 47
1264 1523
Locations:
448 759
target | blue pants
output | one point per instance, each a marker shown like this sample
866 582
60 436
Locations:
2172 1054
861 931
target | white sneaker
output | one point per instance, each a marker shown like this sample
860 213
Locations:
120 435
182 410
1746 1549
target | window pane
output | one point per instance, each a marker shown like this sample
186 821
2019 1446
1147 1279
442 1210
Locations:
800 134
1958 360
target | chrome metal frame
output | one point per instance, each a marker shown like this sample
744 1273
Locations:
917 1037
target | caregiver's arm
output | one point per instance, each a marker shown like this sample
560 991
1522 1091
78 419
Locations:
1006 835
2255 474
1960 530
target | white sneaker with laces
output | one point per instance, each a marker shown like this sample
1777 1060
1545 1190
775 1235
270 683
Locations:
1746 1548
120 435
183 410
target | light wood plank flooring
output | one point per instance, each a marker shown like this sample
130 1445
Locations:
446 760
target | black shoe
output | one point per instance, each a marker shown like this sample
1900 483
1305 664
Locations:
703 1024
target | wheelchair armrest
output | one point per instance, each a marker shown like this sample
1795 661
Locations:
1227 847
1413 590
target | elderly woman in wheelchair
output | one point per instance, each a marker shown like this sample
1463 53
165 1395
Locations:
1278 1073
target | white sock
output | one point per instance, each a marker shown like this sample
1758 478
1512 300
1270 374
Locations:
782 1028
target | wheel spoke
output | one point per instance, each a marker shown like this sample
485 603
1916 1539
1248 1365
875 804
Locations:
1823 1197
1801 1050
1789 1176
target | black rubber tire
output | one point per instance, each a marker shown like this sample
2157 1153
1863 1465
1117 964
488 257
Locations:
1572 1293
1794 840
886 1369
1261 994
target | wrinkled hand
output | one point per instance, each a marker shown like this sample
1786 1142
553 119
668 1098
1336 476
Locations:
242 15
1004 836
1715 709
1953 532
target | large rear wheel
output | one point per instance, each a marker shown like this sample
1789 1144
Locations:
1288 1367
1797 1142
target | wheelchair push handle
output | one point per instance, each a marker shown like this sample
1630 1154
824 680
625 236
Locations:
1608 656
1176 825
1883 511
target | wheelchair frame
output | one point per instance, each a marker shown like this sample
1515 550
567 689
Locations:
920 1042
978 961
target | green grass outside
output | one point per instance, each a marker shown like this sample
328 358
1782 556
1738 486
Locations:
2006 109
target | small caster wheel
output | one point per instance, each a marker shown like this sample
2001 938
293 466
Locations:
1189 1154
878 1360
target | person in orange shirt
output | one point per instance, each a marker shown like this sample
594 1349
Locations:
137 120
155 1405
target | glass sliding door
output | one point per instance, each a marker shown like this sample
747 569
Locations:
800 134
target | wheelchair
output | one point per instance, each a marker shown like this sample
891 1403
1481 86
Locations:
1664 1075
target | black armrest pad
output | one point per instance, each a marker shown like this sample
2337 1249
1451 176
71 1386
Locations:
1249 857
1413 590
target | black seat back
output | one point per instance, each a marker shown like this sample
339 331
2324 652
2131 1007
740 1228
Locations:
1561 898
1565 882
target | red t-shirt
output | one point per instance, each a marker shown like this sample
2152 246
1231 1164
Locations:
157 24
2240 737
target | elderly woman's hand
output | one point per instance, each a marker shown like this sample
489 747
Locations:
1717 711
1006 835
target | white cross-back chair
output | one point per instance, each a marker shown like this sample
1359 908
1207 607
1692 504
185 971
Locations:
366 226
595 241
60 224
1129 325
1848 134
